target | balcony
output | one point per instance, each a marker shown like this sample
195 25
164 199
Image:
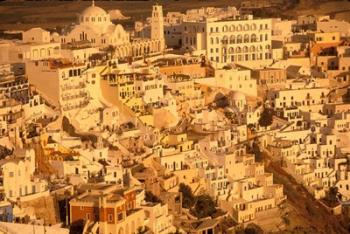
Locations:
77 96
71 87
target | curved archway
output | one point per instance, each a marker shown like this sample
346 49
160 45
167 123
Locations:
232 39
246 27
253 38
246 38
239 39
134 51
42 52
140 50
49 51
225 40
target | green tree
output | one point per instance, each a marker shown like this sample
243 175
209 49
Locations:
266 118
253 228
221 100
187 196
333 195
256 151
110 51
204 207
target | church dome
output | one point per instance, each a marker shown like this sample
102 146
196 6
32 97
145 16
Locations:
93 11
95 17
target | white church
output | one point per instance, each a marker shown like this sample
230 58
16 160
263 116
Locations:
95 27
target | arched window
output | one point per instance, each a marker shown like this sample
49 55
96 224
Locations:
239 39
246 38
253 38
232 28
246 27
231 50
225 40
217 40
245 49
211 41
232 39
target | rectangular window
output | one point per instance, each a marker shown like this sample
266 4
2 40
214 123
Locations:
120 216
110 217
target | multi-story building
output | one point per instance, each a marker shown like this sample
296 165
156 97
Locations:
108 208
62 83
269 78
294 96
159 219
18 180
237 40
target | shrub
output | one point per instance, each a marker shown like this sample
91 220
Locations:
187 196
266 118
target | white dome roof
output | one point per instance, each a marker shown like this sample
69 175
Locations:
93 11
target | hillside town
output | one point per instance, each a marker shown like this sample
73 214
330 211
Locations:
207 121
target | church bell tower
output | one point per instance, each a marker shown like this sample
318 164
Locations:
157 25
